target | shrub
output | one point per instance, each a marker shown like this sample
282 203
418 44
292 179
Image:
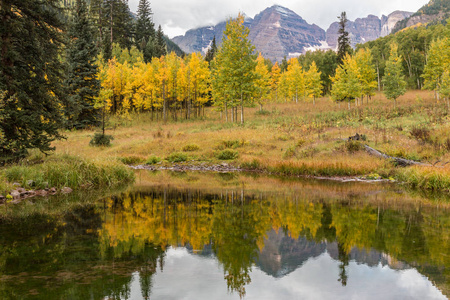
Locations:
227 154
177 157
230 144
251 165
263 112
289 153
101 139
191 147
131 160
152 160
421 134
353 146
300 143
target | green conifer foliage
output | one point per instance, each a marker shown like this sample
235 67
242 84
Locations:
30 76
145 29
82 82
211 53
117 23
343 39
160 45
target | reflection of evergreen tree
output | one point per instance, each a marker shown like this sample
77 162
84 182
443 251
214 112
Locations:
326 232
343 258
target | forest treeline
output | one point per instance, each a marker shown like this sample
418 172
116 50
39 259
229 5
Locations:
66 64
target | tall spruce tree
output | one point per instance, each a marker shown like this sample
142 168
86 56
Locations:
161 48
211 53
144 29
343 39
117 24
31 91
82 82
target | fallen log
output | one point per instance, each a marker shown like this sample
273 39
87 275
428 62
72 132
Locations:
398 160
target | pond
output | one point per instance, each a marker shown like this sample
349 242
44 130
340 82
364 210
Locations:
230 236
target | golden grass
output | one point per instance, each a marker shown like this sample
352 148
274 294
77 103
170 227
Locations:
299 138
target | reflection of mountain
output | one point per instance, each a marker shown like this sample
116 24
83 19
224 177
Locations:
283 255
371 257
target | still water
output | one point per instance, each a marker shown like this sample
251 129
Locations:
229 236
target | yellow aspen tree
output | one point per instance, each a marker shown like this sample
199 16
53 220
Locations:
262 81
238 62
296 79
162 76
183 78
394 80
346 85
313 82
173 64
283 86
367 73
438 61
275 80
199 80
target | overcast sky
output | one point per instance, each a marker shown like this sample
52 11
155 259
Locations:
178 16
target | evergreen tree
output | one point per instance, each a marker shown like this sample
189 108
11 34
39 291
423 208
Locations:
160 44
394 80
31 93
284 64
343 39
82 82
117 24
145 29
96 17
211 53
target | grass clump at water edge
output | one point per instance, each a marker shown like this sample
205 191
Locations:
63 170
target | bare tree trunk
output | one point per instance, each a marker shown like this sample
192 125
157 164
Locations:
378 75
242 109
226 111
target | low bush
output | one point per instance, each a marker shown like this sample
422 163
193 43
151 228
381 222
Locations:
227 154
177 157
131 160
101 139
233 144
152 160
251 165
353 146
421 134
191 147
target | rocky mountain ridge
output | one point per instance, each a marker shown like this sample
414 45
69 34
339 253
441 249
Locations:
366 29
277 32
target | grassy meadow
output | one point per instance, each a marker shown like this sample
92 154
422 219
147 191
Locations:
291 139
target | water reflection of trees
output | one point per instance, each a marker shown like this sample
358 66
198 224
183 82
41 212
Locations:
93 251
236 225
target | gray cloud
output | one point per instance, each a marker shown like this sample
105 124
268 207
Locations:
178 16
